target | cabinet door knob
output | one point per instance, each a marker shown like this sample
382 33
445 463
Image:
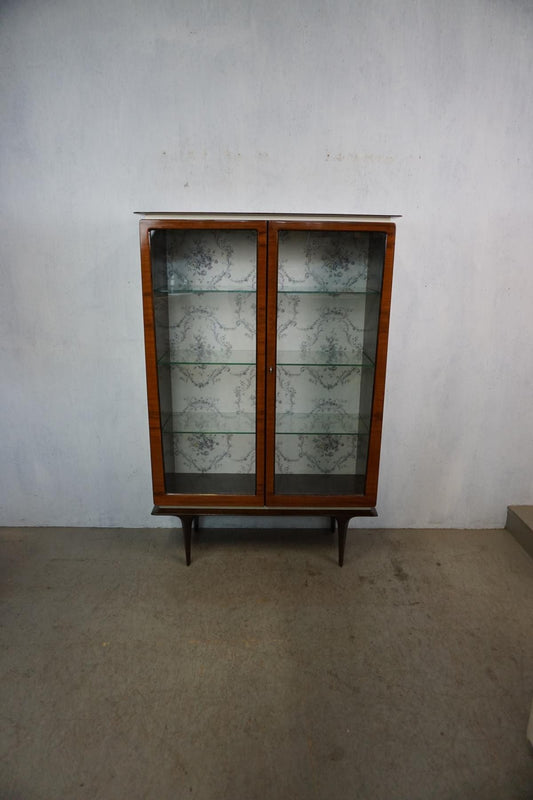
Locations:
271 370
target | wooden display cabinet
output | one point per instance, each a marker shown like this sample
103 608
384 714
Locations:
266 347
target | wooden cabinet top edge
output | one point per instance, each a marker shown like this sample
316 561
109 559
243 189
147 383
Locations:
267 217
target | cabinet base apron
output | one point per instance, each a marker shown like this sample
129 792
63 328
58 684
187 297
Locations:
190 518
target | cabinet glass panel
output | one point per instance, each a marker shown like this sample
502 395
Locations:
205 318
329 293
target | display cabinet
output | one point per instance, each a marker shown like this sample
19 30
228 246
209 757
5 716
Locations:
266 347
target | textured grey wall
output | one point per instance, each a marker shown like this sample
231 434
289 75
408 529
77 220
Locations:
418 108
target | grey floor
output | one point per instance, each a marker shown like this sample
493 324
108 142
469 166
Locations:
263 670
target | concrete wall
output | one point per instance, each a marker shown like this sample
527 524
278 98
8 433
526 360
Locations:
422 108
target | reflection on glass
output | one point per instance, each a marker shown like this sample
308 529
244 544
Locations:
329 286
205 311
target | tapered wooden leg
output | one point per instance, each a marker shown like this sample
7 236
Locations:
195 523
186 524
342 522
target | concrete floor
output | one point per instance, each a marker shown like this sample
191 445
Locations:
263 670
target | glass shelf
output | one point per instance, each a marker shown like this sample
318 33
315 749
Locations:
211 422
165 291
320 424
322 358
329 292
177 291
198 358
298 424
286 358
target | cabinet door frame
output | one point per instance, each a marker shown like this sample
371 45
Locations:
369 497
161 496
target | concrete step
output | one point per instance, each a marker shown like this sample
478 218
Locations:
520 524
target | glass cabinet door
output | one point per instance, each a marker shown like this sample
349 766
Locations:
328 306
205 313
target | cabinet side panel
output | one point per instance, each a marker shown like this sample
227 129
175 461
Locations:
156 449
381 358
271 348
261 359
159 264
376 262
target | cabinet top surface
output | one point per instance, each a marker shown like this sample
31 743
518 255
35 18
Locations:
274 217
